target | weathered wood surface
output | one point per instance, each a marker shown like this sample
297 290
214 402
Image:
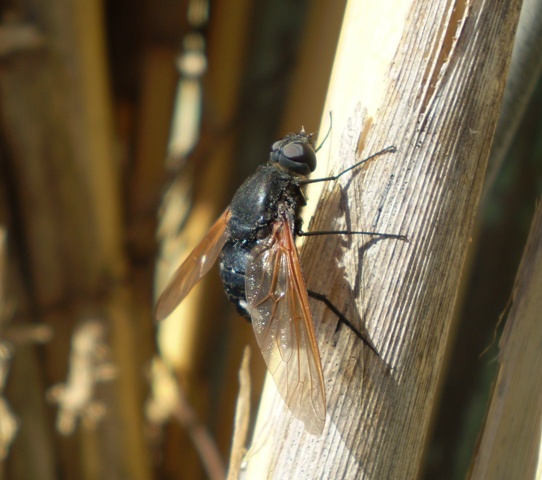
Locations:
429 78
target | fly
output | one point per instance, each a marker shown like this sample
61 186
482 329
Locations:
254 240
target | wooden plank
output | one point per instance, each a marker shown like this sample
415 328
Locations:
427 77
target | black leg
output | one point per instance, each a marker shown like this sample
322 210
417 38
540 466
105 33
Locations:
342 319
390 149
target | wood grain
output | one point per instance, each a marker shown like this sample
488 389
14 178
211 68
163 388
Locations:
429 78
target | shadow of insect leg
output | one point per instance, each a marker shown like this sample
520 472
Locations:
361 334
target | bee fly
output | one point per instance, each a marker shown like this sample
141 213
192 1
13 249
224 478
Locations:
262 276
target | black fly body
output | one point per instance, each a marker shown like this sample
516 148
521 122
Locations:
254 240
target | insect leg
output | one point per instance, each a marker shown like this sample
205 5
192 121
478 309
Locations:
390 149
362 335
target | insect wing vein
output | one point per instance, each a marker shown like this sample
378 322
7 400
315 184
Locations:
196 265
278 304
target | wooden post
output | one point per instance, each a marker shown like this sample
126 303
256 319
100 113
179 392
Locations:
428 77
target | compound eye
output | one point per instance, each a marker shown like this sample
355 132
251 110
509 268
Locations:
299 156
276 146
294 151
276 152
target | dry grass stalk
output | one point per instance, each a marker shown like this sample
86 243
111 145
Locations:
512 435
242 418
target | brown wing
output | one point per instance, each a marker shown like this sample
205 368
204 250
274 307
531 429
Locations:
197 264
278 303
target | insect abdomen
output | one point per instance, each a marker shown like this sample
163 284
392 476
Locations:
233 260
254 208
